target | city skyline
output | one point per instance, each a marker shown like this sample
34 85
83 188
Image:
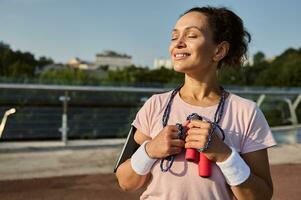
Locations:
141 29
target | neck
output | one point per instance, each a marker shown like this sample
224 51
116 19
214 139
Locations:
199 89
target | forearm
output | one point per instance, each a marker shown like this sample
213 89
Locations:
253 188
128 179
247 174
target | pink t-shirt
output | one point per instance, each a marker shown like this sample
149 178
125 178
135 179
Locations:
245 127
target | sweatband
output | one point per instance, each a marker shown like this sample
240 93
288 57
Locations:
234 168
141 162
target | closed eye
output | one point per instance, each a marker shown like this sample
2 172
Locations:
192 36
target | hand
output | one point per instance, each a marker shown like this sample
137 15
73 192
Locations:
166 143
197 137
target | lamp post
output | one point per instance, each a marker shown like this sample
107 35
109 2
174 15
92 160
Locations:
4 119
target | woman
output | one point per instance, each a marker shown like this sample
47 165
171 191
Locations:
203 40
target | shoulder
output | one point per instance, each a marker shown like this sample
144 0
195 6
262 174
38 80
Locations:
157 101
248 112
159 98
242 104
244 109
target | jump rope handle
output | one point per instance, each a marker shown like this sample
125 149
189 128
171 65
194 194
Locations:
204 164
192 155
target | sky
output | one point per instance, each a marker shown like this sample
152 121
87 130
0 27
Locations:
64 29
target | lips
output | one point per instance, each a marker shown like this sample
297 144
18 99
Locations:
180 56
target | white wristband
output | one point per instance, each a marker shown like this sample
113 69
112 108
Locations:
141 162
235 169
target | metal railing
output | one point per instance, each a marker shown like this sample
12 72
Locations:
68 96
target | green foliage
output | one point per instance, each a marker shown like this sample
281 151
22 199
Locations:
44 61
284 71
20 69
138 75
69 76
19 64
276 112
231 76
104 67
258 58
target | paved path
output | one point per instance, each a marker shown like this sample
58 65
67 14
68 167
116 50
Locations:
83 170
286 178
37 160
49 159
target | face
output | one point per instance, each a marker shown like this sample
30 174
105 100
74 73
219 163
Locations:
192 47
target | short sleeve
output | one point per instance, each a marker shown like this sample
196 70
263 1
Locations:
258 135
142 121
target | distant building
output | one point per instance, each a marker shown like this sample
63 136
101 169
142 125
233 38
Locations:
80 64
113 60
74 62
162 62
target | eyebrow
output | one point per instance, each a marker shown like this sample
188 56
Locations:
188 27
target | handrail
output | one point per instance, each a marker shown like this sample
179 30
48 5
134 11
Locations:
238 90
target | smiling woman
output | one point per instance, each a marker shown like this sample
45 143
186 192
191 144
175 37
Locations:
200 141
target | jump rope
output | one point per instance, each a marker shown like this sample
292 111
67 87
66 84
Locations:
194 155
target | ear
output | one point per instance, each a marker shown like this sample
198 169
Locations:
221 51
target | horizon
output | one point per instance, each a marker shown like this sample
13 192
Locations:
69 29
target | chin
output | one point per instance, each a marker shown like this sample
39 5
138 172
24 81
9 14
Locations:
181 68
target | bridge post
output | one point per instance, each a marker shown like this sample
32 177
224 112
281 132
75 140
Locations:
64 128
292 111
260 99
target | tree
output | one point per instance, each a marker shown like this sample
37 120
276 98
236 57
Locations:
69 76
258 58
231 76
285 70
20 69
19 64
139 75
44 61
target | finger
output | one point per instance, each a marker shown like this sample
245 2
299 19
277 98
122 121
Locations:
195 145
199 123
171 132
177 143
196 138
171 128
174 135
174 150
198 131
185 124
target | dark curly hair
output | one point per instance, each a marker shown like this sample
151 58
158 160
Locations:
227 26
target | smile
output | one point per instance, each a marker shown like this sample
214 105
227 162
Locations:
179 56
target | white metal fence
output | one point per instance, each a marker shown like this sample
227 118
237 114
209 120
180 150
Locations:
66 112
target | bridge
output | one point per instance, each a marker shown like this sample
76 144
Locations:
62 112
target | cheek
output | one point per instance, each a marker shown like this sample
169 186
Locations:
204 51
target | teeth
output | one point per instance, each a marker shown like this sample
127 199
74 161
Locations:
180 55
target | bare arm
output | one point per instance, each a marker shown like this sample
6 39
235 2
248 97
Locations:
259 185
166 143
127 178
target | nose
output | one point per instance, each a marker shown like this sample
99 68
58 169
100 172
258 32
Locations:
180 43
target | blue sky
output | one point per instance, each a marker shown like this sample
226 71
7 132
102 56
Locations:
62 29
